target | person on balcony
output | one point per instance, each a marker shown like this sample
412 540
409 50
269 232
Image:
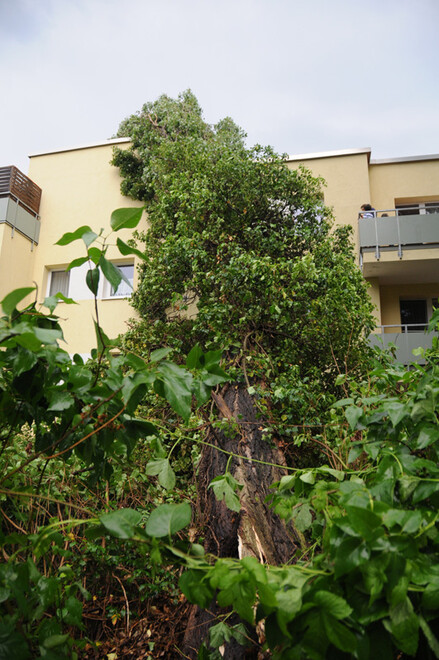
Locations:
367 211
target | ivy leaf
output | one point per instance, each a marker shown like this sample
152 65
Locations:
177 387
219 635
302 517
126 218
167 519
162 469
396 411
225 487
353 415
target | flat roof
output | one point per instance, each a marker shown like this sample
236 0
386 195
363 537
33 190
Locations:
329 154
82 146
404 159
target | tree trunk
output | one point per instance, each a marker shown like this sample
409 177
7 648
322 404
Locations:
255 530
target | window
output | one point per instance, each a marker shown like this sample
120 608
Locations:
422 208
59 282
413 315
124 290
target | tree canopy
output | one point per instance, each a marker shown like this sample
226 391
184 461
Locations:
247 240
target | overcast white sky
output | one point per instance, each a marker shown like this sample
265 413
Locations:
301 75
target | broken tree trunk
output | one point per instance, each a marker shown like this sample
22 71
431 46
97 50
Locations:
255 530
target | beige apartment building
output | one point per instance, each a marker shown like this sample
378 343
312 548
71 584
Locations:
397 242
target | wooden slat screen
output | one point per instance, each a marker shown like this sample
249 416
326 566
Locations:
15 182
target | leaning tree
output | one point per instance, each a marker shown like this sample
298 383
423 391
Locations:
243 257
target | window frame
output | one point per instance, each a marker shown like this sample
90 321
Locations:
108 292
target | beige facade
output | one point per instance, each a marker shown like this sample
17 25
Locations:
79 187
397 248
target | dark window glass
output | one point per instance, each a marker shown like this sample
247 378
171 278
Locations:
408 209
413 315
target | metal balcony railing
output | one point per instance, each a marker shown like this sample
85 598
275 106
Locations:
20 203
405 338
395 229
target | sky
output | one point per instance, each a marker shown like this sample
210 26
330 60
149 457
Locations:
301 75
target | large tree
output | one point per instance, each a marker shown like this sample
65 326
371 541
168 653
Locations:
243 256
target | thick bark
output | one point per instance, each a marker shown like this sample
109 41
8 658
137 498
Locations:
255 530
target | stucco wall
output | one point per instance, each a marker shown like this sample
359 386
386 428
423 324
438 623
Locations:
80 187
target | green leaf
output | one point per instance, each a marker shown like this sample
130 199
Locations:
111 272
126 250
55 640
126 218
71 236
334 605
11 300
52 301
308 477
193 358
430 597
28 341
12 643
338 634
121 523
427 436
167 519
353 414
92 280
162 469
76 263
396 411
302 517
195 587
404 626
48 335
363 521
60 400
219 635
159 354
225 487
177 387
431 639
350 554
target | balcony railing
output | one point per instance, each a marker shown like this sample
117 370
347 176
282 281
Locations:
15 183
405 338
20 203
396 229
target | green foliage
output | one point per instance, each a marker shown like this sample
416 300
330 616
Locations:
241 255
366 582
84 416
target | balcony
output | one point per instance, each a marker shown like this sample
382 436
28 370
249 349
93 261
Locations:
20 203
405 338
400 235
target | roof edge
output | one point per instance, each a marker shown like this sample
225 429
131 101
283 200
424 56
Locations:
404 159
82 146
330 154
